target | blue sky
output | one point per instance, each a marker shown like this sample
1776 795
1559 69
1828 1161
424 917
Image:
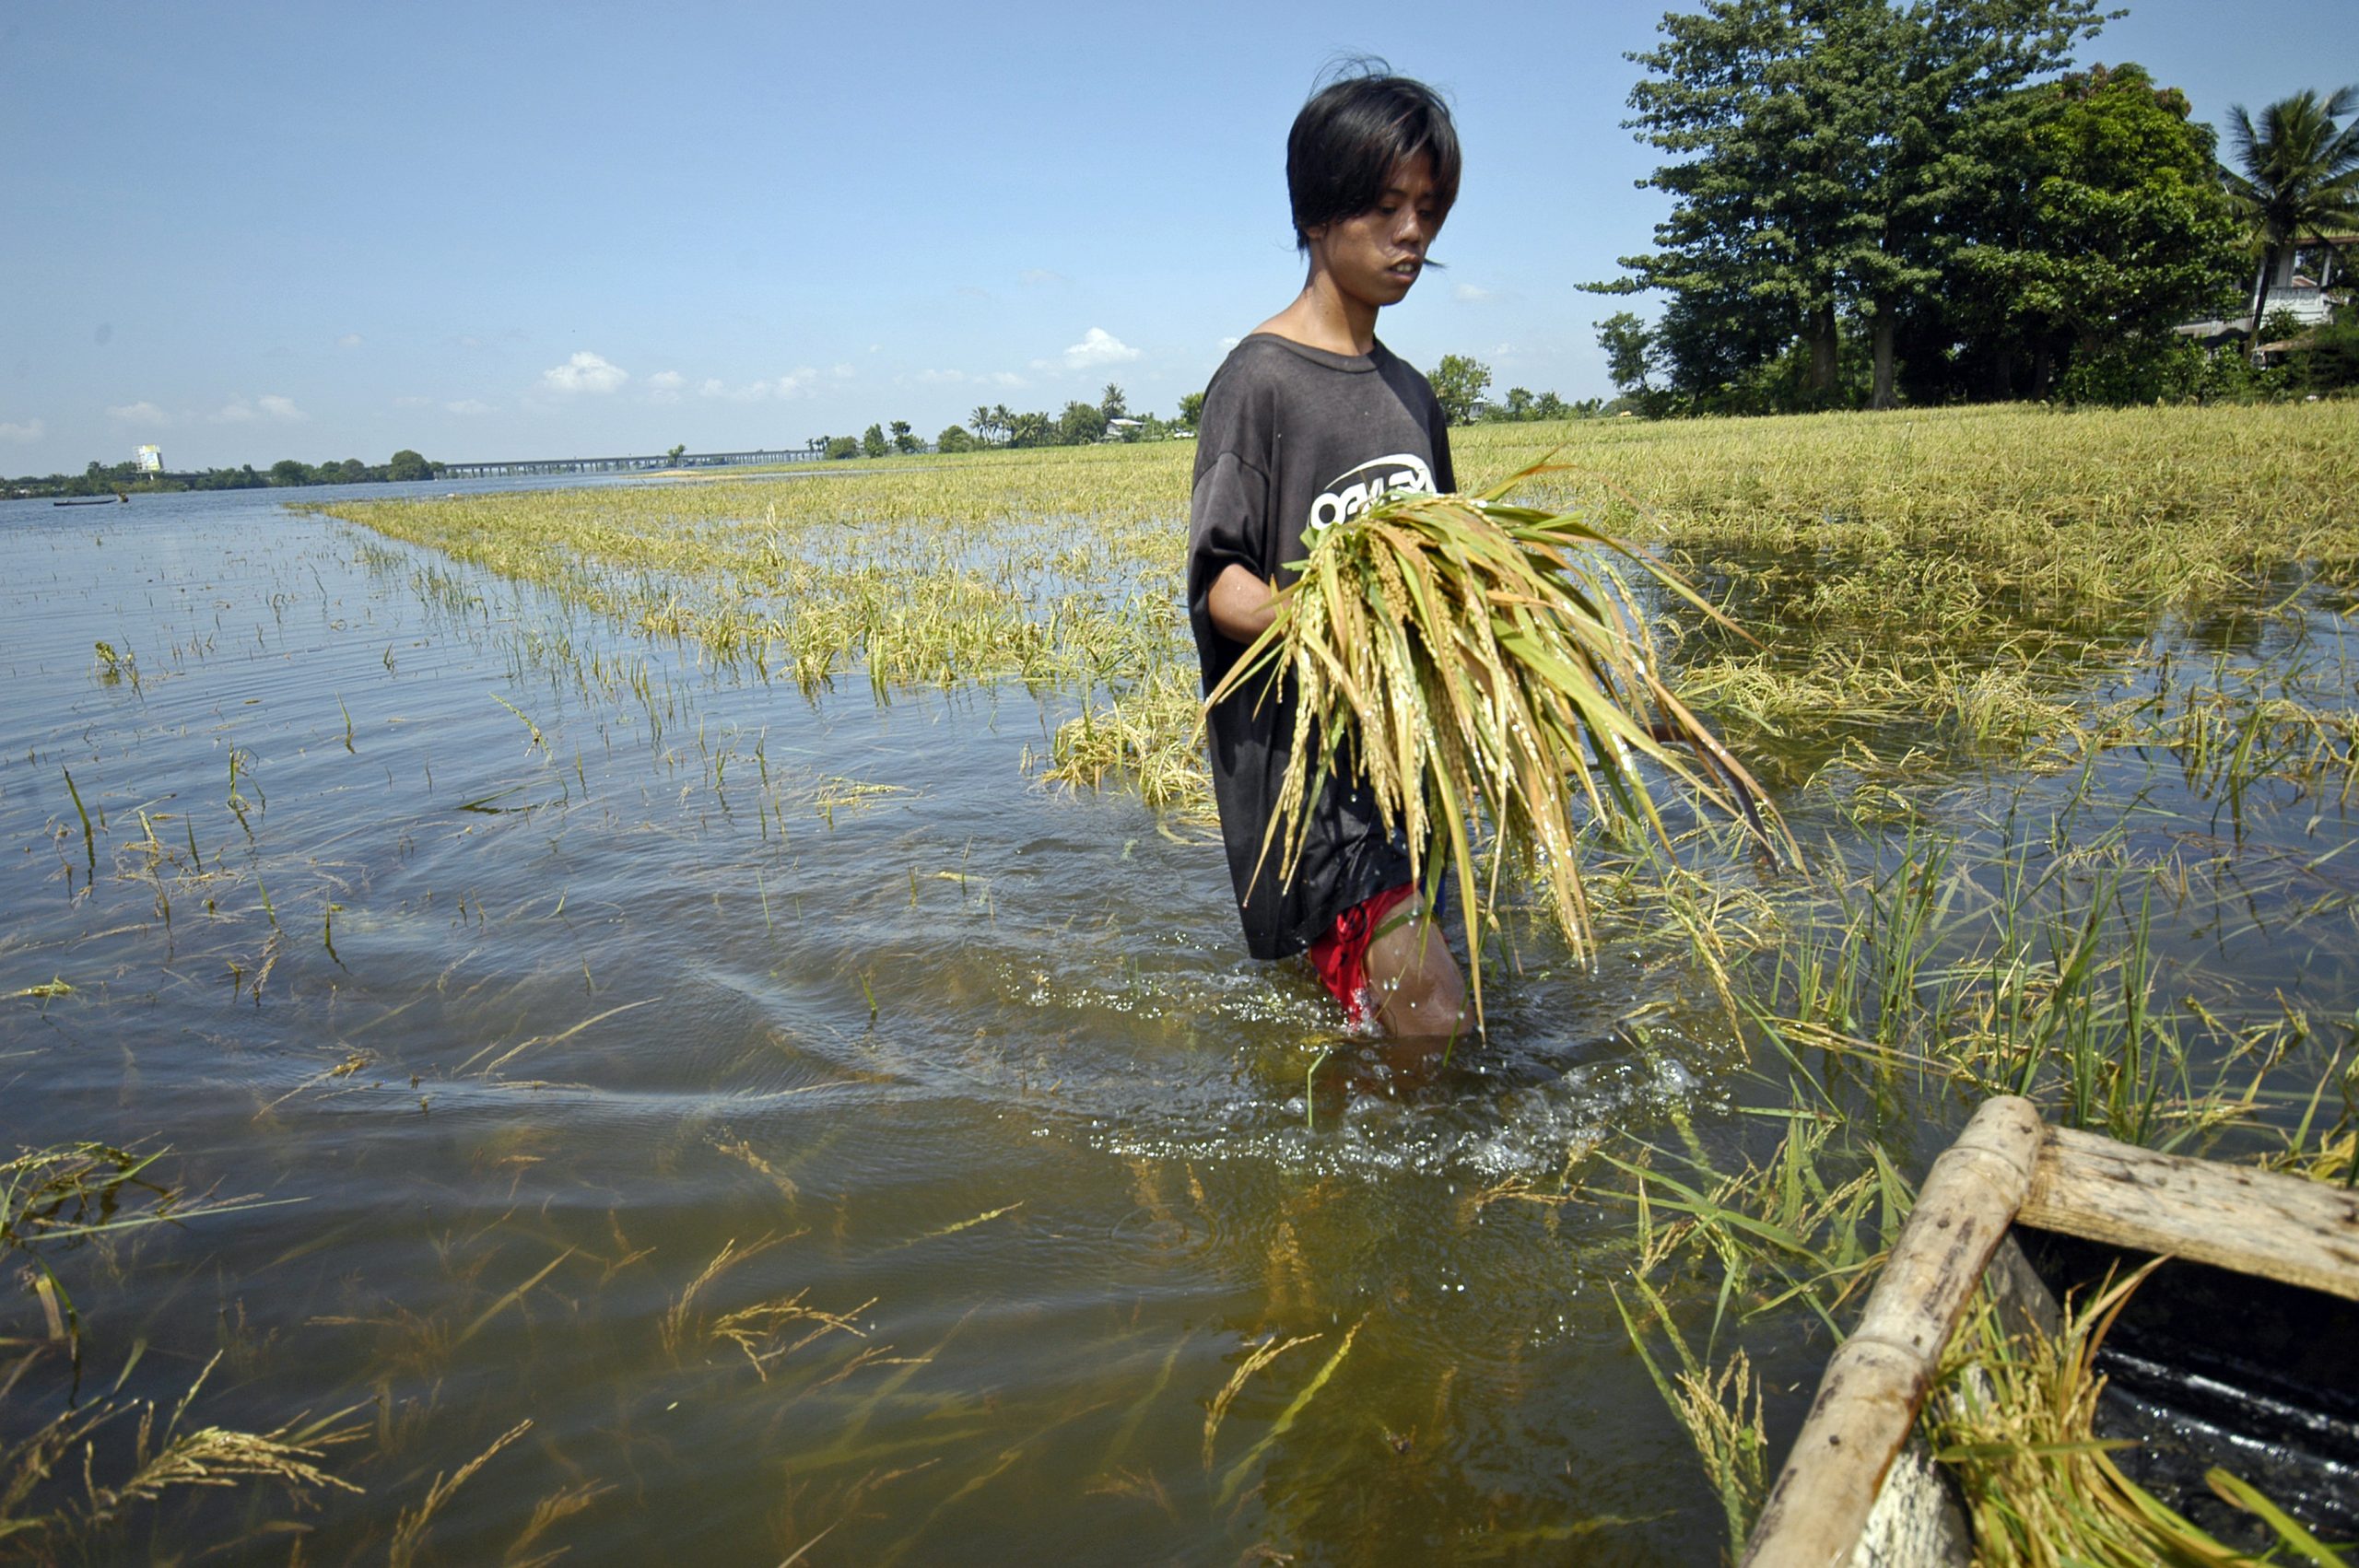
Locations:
488 230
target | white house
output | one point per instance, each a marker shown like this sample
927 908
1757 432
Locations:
2309 298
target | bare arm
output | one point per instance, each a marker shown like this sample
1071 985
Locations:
1241 604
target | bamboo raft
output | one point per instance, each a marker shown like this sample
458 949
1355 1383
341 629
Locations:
2009 1170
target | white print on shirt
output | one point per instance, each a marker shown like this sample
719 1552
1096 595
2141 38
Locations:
1355 492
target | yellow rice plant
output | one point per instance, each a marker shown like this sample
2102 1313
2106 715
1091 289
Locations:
2014 1418
1473 659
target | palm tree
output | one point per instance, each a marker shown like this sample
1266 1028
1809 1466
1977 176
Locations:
980 421
1003 422
2300 179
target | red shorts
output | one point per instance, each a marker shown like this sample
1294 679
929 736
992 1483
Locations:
1340 957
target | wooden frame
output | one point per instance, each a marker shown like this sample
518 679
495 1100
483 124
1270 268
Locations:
2008 1169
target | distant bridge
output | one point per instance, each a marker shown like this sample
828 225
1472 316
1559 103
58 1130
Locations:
620 465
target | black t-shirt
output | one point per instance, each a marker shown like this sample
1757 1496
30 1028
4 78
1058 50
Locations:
1293 438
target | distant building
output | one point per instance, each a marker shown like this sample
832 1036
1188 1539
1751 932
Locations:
2308 296
151 460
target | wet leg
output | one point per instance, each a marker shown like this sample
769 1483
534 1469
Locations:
1414 980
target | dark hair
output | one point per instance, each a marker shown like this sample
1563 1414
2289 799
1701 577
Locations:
1350 137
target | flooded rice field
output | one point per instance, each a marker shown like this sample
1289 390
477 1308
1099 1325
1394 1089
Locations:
493 1071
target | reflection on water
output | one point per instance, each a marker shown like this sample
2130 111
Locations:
781 1123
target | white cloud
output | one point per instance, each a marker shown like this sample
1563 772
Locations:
1227 344
468 405
349 340
664 386
1098 346
842 372
141 412
1469 294
1006 379
1039 277
30 430
585 373
794 384
939 378
239 411
410 400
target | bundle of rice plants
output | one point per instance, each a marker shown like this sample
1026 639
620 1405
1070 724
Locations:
1474 660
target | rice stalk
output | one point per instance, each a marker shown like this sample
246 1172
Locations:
1721 1412
683 1315
1475 660
162 1458
2015 1419
410 1527
557 1507
1262 1354
1280 1427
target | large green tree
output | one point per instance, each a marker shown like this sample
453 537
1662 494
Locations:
2297 179
1458 383
1630 351
1820 151
1080 424
2104 227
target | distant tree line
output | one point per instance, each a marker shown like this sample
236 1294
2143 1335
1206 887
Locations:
405 465
1080 424
1877 201
104 479
1462 383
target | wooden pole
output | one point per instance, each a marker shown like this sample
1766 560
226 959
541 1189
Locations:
1877 1379
2279 1227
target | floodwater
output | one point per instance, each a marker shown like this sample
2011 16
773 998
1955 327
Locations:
754 1126
817 1130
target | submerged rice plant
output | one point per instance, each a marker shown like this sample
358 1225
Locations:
67 1494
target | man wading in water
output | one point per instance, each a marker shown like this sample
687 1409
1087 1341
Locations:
1307 421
